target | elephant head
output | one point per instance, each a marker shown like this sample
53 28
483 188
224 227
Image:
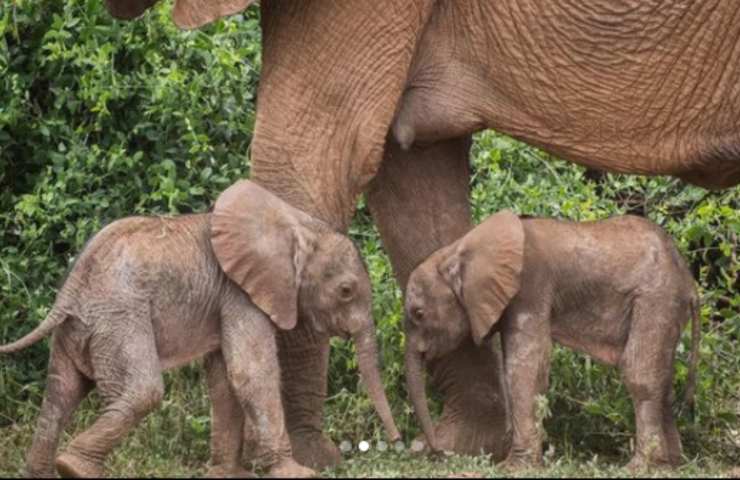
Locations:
291 264
461 290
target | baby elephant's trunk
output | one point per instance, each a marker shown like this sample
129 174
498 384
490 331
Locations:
367 359
417 391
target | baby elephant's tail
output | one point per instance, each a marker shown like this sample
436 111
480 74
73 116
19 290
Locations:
55 318
688 397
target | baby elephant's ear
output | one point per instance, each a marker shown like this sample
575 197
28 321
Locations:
262 244
484 269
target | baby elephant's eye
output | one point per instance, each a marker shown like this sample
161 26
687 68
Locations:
418 313
346 291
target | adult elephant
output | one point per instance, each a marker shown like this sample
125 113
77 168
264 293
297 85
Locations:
640 86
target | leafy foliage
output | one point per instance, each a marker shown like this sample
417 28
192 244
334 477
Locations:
99 120
102 119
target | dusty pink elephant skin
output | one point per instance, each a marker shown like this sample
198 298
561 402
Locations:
617 290
149 294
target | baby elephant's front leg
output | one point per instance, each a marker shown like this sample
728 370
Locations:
527 347
228 423
250 353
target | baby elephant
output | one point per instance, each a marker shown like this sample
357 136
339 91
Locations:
150 294
617 290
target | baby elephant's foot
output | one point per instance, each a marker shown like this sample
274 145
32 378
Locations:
229 471
315 450
636 465
71 465
518 463
290 469
639 464
40 472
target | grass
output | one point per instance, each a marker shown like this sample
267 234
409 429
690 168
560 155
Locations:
144 456
174 442
406 465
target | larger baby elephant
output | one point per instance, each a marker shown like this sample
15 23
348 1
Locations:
149 294
617 290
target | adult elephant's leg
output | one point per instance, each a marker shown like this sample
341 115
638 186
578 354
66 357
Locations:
304 364
419 200
318 151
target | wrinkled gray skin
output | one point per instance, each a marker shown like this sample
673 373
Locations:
617 290
648 87
147 294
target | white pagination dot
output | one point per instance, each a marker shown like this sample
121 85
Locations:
345 446
363 446
382 446
417 446
399 446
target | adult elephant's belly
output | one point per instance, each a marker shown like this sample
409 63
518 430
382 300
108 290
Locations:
603 138
631 91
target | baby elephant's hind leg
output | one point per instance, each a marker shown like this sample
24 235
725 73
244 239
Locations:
671 430
65 389
647 370
129 379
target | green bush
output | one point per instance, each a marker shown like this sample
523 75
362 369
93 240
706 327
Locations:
102 119
99 120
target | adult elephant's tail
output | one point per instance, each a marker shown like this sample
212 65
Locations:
690 391
55 318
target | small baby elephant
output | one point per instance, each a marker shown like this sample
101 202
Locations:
153 293
617 290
